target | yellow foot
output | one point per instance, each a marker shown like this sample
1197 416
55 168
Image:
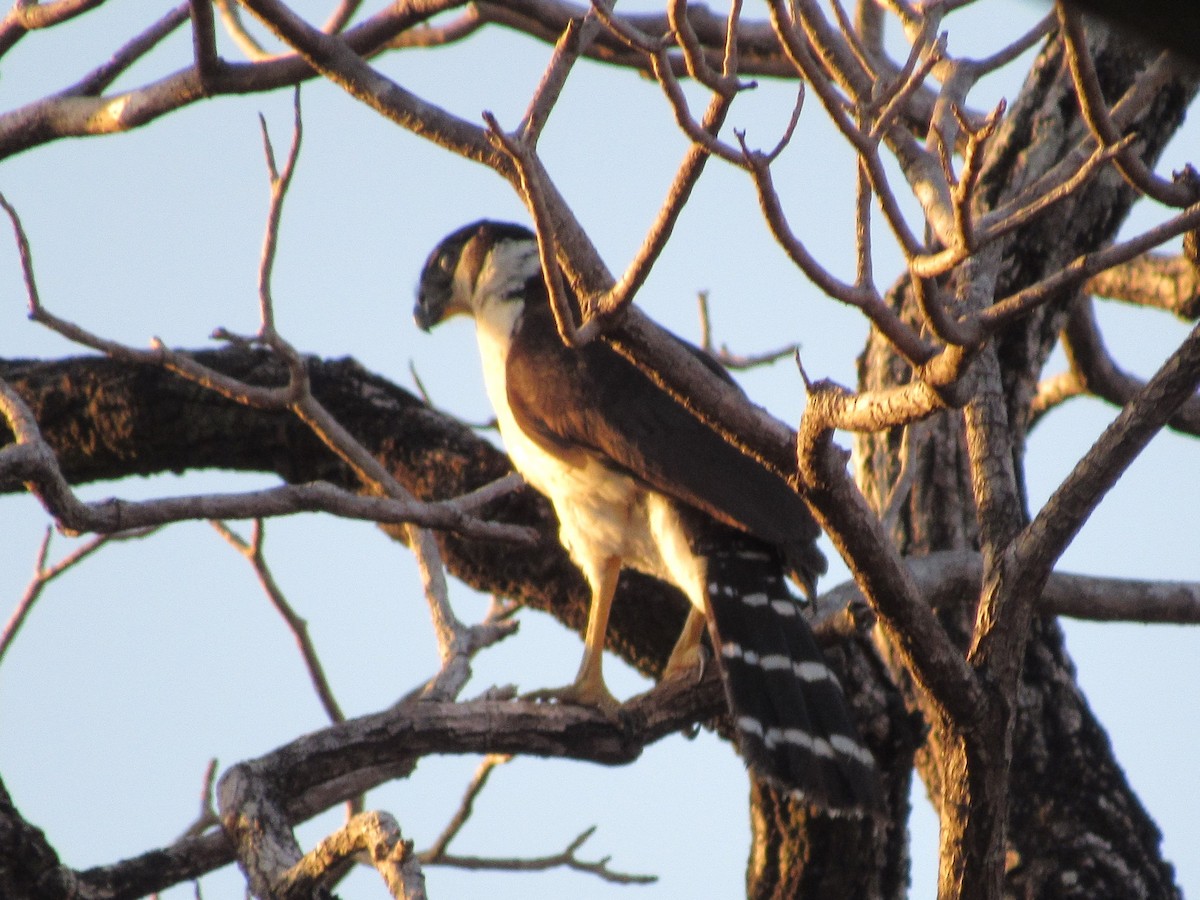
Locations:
581 693
686 663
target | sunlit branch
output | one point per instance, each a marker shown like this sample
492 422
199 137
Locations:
1157 280
25 17
859 537
231 18
374 837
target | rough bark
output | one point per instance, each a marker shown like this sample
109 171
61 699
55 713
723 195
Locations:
108 420
1081 832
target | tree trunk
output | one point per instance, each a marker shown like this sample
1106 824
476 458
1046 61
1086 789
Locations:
1074 827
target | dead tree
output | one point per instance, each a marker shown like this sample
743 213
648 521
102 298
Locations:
946 640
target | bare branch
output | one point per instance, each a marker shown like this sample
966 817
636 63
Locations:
951 577
1080 269
279 183
204 40
574 41
856 531
1157 280
567 859
1095 113
231 18
908 342
101 78
466 806
373 835
43 574
1043 541
252 551
1097 373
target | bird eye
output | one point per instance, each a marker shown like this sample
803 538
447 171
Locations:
446 262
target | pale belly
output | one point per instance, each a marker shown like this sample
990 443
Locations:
602 514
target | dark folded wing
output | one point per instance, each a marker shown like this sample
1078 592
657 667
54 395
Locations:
594 398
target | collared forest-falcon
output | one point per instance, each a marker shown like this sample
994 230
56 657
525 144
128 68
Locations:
638 482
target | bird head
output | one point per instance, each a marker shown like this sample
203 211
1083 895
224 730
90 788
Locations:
480 263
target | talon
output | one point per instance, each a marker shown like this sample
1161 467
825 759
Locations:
689 656
689 664
581 693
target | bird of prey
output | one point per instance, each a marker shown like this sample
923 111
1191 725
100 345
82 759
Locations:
638 482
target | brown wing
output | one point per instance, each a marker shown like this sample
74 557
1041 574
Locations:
595 398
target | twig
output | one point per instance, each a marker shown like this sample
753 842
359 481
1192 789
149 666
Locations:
279 183
567 859
724 356
910 344
1095 113
252 551
613 302
207 816
532 179
574 41
466 806
43 575
101 78
490 425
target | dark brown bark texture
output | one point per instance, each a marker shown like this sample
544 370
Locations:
1075 827
109 420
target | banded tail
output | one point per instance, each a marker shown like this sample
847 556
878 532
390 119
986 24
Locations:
793 726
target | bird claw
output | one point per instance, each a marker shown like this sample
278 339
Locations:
579 694
689 664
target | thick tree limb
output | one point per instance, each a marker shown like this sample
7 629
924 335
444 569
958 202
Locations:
1159 280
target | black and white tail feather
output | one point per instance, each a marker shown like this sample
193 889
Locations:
788 709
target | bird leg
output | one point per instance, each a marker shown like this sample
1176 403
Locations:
589 689
688 657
